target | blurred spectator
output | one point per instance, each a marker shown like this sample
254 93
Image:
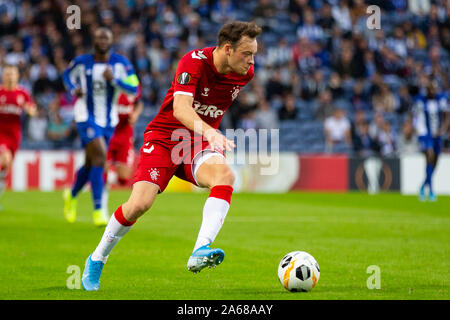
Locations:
279 54
242 106
58 131
309 29
324 108
407 140
42 69
248 121
341 14
388 62
348 65
266 117
222 11
376 125
369 64
383 100
415 38
313 85
37 126
337 130
397 43
405 101
335 85
192 32
274 87
386 138
363 144
264 13
326 20
419 7
304 56
359 118
17 56
288 111
360 97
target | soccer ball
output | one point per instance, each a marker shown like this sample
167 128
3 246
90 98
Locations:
298 271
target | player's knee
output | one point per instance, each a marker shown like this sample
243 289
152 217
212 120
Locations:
5 163
98 160
123 175
225 177
137 208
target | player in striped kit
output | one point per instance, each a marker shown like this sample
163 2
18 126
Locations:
97 80
431 121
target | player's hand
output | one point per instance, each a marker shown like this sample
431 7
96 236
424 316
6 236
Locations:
31 110
218 141
108 74
132 118
77 92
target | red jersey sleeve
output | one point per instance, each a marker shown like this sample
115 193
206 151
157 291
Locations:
187 75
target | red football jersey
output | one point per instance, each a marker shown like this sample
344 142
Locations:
213 93
125 106
12 103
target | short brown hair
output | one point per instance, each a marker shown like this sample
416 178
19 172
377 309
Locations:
233 31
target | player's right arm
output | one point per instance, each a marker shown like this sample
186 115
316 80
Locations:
183 112
71 73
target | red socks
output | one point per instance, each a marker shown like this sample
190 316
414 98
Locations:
222 192
121 219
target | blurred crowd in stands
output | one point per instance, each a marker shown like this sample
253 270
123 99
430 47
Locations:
327 81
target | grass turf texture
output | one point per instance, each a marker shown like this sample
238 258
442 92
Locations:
346 233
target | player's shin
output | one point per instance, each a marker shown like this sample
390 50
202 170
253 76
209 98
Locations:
97 182
214 212
429 174
81 177
116 228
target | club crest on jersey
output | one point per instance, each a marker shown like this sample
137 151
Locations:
205 92
235 92
154 174
184 78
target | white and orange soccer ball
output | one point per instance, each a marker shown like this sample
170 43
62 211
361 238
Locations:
298 271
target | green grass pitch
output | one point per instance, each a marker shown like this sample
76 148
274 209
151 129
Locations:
409 241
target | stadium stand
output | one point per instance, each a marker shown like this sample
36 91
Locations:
308 47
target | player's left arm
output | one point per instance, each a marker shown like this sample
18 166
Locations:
129 83
29 106
138 107
445 115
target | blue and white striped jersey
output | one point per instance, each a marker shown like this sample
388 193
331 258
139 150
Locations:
99 100
428 114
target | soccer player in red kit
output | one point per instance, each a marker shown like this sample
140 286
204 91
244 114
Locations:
205 84
13 101
121 146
